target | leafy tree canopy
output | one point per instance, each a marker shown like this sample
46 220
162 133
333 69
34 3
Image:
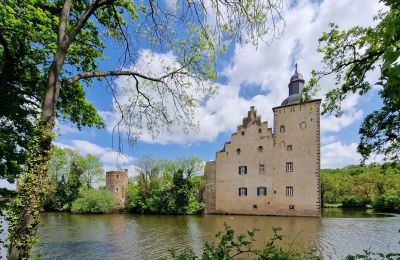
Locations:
49 50
350 55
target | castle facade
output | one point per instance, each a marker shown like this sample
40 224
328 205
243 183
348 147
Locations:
267 170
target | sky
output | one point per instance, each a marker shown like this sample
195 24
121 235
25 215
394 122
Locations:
248 76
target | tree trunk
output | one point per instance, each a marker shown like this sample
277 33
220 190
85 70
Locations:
24 216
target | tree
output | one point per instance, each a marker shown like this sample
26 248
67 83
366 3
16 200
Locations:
350 55
60 43
92 168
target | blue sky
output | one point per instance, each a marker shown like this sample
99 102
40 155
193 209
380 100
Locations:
248 76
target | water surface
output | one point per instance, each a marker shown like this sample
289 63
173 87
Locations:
130 236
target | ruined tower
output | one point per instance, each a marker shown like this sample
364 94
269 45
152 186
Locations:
270 170
117 183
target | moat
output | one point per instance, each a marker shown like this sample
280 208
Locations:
129 236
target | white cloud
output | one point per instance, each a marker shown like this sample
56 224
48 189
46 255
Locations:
270 67
337 154
111 159
65 127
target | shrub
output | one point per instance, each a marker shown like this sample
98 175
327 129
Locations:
227 246
94 201
352 202
390 201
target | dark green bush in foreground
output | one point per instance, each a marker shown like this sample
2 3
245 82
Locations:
94 201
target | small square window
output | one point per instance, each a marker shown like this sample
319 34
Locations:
282 129
254 206
242 191
261 191
261 169
289 147
238 151
260 148
289 167
289 191
259 130
117 176
291 207
116 189
242 132
242 170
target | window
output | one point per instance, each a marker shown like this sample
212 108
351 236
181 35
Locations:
261 168
282 129
117 176
242 169
289 191
260 148
289 167
255 206
242 191
242 132
238 151
116 189
289 147
261 191
291 207
259 130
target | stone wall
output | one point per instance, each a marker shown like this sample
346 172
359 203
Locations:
209 190
264 154
117 184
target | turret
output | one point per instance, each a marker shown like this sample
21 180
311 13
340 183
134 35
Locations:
296 85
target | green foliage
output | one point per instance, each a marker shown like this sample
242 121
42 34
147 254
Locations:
227 246
94 201
33 188
359 186
368 255
69 171
167 187
49 49
350 55
389 201
352 202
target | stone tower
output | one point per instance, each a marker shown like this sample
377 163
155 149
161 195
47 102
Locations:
270 170
117 183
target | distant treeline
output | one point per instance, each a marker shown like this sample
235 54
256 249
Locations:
374 185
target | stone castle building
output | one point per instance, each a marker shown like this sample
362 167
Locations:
267 170
117 184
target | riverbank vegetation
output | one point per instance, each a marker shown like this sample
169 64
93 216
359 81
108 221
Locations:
167 186
376 186
159 187
229 246
69 174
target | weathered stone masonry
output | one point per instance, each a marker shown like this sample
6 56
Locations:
117 184
265 172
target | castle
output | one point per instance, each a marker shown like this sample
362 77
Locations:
117 184
265 171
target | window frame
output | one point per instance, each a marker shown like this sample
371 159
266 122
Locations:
264 189
261 166
289 166
289 191
282 129
242 192
241 167
289 147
